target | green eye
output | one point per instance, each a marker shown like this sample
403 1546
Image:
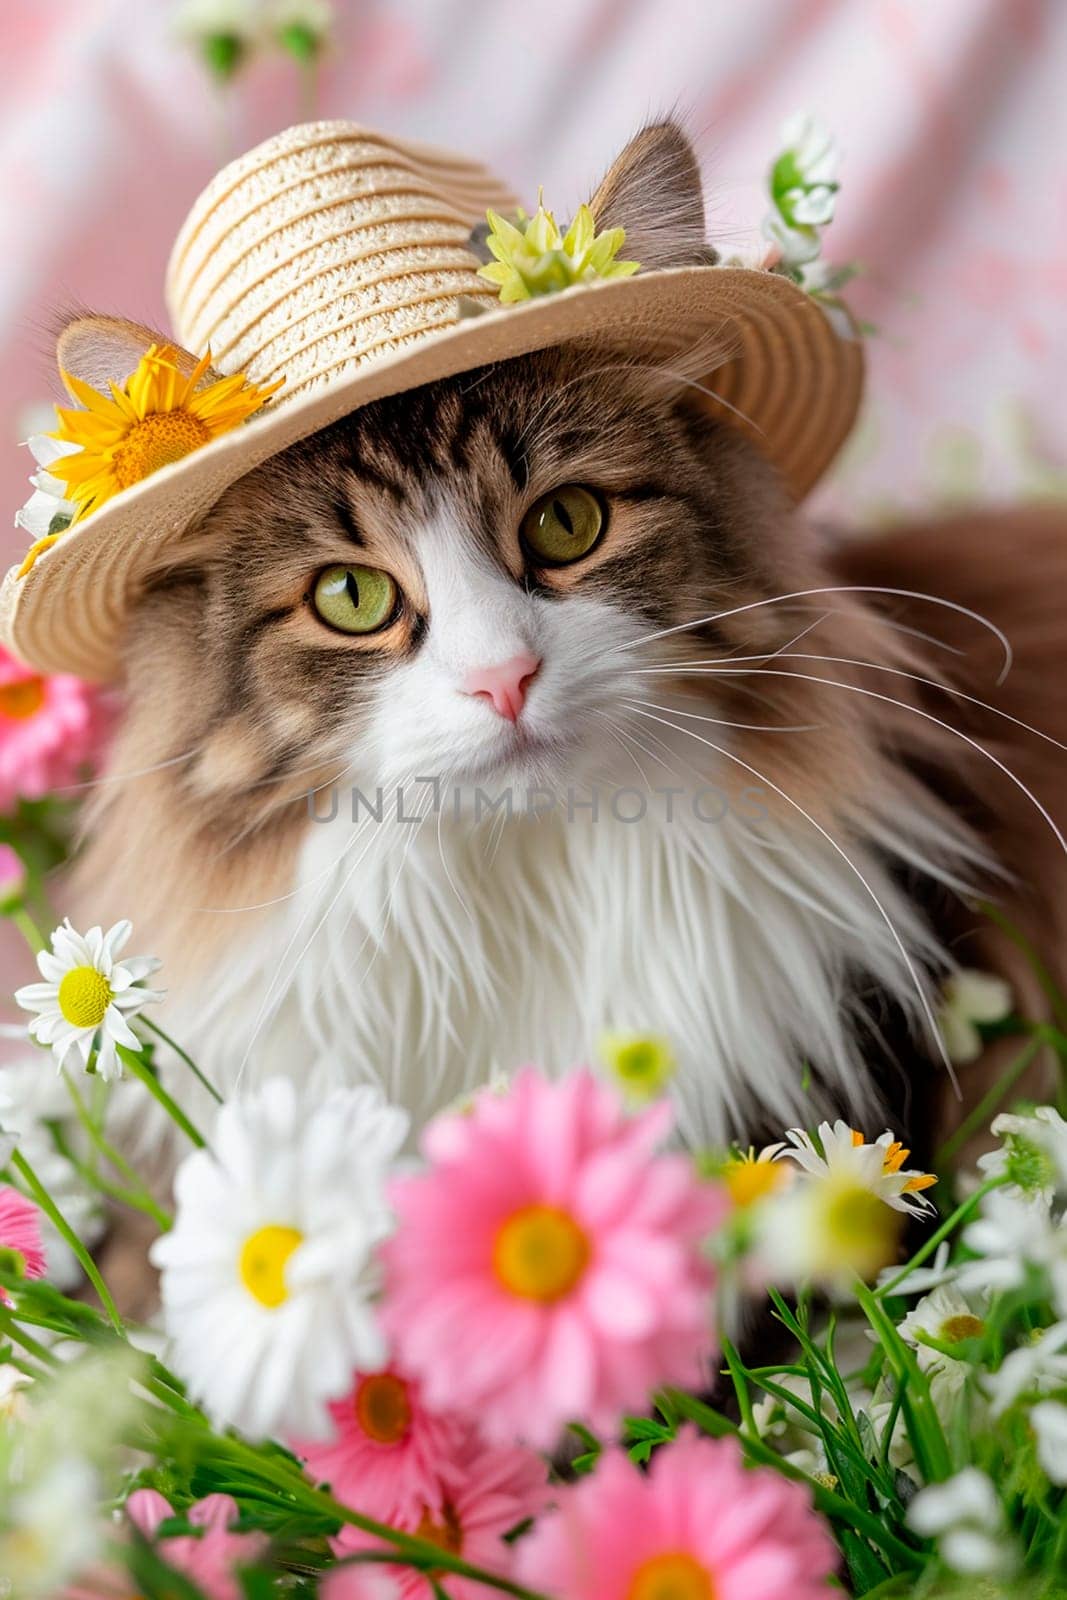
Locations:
564 525
355 599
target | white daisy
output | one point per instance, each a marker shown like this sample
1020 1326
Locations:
1033 1153
947 1317
46 503
1034 1368
13 1383
268 1270
969 997
1011 1232
842 1217
878 1166
1049 1421
88 996
967 1520
49 1529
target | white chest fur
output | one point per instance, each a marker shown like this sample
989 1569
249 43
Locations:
428 957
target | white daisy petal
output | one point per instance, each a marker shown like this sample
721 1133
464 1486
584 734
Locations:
268 1272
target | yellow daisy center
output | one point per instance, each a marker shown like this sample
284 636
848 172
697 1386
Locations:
859 1230
674 1576
382 1407
163 437
264 1257
749 1180
84 996
955 1329
23 698
540 1253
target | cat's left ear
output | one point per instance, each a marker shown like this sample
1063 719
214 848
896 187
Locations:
653 190
101 350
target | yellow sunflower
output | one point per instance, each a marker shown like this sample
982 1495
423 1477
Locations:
158 416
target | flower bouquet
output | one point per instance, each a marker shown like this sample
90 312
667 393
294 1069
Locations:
514 1359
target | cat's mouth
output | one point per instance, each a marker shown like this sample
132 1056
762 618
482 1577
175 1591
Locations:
521 750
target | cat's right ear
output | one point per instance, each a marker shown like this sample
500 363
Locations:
101 350
653 190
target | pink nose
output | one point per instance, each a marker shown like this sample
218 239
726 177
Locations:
504 685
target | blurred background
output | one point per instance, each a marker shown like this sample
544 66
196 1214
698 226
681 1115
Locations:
951 118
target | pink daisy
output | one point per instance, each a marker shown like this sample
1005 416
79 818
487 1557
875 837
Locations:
20 1229
389 1456
496 1487
699 1525
50 728
549 1265
210 1557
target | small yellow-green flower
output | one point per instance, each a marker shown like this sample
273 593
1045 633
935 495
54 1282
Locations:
641 1064
534 258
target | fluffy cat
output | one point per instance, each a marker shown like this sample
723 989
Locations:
573 581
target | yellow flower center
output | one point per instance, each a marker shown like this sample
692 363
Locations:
264 1257
955 1329
163 437
445 1534
382 1407
860 1230
540 1253
23 698
84 996
674 1576
749 1180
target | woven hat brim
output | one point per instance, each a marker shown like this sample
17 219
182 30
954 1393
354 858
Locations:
790 381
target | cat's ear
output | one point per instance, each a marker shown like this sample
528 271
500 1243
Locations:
101 350
652 189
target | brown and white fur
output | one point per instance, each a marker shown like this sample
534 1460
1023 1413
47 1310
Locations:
712 639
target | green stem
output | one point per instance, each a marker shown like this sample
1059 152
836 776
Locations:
63 1227
140 1069
138 1195
13 1330
744 1400
1044 977
948 1226
982 1114
189 1062
417 1552
28 929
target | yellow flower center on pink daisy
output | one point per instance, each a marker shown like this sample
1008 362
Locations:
540 1253
163 437
749 1180
383 1409
84 996
675 1575
445 1532
955 1329
264 1257
23 698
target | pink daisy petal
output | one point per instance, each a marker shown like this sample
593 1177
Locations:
550 1260
697 1518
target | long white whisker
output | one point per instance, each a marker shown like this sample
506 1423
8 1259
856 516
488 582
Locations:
872 666
927 716
920 989
845 588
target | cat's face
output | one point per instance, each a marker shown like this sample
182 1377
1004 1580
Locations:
458 583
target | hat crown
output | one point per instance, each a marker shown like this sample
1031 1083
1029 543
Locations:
325 248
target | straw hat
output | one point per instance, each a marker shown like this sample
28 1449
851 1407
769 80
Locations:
340 260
